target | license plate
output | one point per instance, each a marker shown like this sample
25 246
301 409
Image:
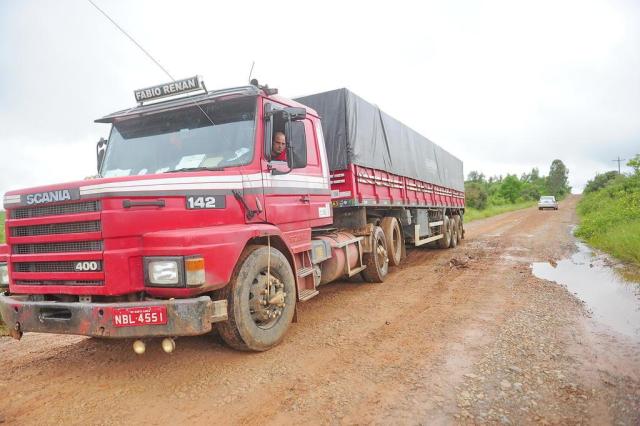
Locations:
132 317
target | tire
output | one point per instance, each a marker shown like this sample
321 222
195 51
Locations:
454 233
457 224
377 261
394 240
247 328
443 242
539 208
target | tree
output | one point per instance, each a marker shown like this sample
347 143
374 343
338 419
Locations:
475 176
475 195
558 178
600 181
510 188
535 174
634 163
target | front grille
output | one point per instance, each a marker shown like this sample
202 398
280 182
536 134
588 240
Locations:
59 282
56 210
57 266
55 228
66 247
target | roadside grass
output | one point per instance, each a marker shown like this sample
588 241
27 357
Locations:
610 219
472 214
622 241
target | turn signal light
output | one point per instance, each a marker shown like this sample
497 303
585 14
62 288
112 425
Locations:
194 268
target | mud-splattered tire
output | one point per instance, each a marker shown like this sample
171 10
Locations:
241 331
377 261
454 233
393 237
443 242
457 224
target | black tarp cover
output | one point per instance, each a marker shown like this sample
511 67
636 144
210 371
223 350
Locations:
357 132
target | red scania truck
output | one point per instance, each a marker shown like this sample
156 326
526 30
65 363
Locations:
190 224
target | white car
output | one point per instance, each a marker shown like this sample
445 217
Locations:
547 202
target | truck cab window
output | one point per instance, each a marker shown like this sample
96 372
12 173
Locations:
219 135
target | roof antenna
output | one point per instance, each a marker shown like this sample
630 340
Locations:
251 71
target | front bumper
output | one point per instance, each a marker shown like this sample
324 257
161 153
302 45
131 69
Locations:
185 317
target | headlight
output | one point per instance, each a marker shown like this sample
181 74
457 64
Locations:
164 271
4 274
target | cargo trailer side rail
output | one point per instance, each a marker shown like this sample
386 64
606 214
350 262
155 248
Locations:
365 186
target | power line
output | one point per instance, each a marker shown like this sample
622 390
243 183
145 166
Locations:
132 39
146 53
619 160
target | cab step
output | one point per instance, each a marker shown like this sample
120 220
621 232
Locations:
307 294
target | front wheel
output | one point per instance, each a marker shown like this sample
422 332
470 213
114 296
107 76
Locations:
261 300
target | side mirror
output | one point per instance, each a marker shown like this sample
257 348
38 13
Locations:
101 149
296 144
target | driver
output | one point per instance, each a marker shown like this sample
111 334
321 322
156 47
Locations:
278 149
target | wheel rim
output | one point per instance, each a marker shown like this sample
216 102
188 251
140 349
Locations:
266 300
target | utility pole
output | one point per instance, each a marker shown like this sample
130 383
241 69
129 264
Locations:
619 160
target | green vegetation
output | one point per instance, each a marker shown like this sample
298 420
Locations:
474 214
610 213
497 194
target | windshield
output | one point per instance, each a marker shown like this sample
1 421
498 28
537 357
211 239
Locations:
184 139
547 198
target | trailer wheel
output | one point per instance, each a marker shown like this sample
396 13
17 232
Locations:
260 306
454 232
394 240
457 224
377 261
444 242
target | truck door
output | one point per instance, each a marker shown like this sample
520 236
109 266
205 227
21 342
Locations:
286 196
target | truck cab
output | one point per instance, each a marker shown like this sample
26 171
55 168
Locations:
184 188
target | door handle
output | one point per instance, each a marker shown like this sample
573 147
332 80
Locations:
305 199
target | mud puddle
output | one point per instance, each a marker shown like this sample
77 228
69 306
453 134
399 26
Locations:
614 301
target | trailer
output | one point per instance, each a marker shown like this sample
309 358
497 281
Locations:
193 222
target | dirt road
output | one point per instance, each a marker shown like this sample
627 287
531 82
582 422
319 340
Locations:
455 336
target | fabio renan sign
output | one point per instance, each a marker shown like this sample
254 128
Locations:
169 89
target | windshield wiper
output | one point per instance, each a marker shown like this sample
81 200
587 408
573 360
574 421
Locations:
196 169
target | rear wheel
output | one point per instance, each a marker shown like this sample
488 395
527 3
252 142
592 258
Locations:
443 242
454 233
260 304
393 237
457 225
377 261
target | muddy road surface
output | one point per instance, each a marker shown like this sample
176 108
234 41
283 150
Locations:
466 336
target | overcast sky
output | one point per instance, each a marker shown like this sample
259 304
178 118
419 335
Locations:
503 85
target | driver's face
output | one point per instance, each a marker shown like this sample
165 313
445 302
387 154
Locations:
279 143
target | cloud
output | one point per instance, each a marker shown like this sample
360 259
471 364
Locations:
503 85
